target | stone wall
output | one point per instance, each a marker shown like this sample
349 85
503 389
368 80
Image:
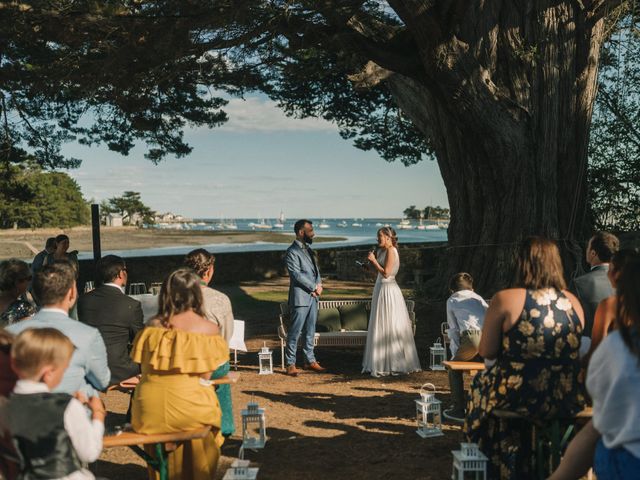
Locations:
232 268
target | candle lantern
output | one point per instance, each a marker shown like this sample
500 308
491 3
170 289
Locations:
469 459
265 360
254 430
240 470
428 415
438 354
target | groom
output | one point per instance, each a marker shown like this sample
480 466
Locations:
305 289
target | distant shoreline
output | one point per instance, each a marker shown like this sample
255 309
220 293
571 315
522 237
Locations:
21 243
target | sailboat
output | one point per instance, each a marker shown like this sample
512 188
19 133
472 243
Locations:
324 224
260 226
280 222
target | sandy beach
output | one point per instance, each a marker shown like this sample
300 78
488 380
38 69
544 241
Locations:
25 243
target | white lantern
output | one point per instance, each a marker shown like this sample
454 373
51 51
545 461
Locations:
428 414
265 360
240 470
469 459
254 430
438 354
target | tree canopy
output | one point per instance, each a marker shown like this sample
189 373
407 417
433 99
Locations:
33 198
130 207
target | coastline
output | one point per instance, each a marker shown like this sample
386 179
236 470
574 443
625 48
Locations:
24 243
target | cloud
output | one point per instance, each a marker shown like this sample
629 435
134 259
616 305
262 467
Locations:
260 115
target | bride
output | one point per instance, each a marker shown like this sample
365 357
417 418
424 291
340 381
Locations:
390 346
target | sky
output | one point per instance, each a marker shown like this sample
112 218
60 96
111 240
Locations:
258 164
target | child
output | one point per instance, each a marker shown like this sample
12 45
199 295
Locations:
465 315
50 431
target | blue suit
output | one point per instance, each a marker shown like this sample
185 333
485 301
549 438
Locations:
88 369
304 276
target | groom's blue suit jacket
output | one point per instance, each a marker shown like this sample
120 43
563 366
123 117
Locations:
303 273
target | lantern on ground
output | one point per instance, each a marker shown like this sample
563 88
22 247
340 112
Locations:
469 459
265 360
240 470
428 414
438 354
254 430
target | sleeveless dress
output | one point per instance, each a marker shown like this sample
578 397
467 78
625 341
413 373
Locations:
536 374
171 398
390 348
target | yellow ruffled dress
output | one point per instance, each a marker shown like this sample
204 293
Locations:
170 397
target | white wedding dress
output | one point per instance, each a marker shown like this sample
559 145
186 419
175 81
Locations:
390 348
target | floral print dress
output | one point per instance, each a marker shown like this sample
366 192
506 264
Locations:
536 375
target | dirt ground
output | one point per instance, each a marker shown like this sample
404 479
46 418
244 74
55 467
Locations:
339 424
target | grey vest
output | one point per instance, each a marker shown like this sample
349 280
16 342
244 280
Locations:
36 422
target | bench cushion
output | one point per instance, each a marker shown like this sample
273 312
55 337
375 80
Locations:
328 320
354 317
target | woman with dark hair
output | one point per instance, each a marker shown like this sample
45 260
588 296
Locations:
15 276
603 321
177 355
61 252
533 332
217 309
390 348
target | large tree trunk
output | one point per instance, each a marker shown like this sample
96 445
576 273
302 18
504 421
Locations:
506 103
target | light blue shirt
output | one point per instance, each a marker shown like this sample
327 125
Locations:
88 369
465 311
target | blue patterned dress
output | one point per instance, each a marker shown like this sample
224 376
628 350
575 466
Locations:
537 374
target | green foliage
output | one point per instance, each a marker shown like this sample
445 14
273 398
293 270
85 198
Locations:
614 149
130 207
33 198
429 212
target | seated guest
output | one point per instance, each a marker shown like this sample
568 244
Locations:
217 306
38 261
610 442
15 276
605 313
465 316
51 431
55 286
593 287
533 331
217 309
117 316
8 469
177 355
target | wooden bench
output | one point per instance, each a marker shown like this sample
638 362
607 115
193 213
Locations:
164 443
125 386
344 338
471 367
548 440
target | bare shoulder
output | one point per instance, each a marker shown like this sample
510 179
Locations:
509 296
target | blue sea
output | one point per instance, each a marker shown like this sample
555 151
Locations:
356 231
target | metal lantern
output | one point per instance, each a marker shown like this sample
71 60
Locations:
240 470
265 360
254 430
428 414
469 459
438 355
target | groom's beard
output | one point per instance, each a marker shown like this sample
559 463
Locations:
308 240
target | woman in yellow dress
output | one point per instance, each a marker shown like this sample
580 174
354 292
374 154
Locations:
177 354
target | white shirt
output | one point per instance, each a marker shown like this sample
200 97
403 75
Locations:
465 311
115 285
613 381
86 435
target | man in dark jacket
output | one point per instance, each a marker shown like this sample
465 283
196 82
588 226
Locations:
117 316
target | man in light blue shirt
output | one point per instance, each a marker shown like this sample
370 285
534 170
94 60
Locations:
55 289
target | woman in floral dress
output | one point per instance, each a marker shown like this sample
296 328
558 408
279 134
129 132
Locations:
533 332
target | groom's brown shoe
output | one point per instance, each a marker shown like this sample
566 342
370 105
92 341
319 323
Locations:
292 371
315 366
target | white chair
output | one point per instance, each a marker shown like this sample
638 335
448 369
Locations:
236 342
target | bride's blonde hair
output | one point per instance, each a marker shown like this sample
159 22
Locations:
391 233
